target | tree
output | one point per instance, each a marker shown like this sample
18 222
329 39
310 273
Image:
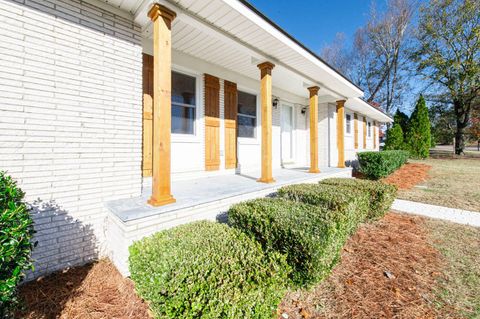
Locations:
474 127
442 122
394 138
378 59
337 56
448 55
402 119
418 137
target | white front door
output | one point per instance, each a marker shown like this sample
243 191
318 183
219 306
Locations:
287 133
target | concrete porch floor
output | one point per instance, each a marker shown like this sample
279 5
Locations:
206 198
225 188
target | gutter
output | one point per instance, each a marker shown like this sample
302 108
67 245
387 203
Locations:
276 26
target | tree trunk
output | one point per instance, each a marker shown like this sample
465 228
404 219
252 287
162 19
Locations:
461 116
459 140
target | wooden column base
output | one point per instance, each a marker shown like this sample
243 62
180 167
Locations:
266 180
314 171
162 200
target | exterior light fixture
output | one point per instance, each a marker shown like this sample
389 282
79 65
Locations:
275 103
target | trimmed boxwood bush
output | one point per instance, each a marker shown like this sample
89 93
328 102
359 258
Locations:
381 195
375 165
350 207
207 270
16 231
308 235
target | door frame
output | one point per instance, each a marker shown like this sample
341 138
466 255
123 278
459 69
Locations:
293 135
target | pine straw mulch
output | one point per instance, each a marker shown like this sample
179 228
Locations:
96 290
395 246
387 270
409 175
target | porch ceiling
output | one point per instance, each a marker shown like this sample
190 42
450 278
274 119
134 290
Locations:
230 34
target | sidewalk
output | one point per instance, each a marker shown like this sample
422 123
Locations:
439 212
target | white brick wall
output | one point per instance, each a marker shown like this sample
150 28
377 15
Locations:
70 119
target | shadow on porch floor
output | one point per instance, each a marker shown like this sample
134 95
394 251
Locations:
205 190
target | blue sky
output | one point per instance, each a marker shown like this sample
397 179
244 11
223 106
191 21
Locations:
315 22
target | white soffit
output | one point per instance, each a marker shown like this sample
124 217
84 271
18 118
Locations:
362 107
246 33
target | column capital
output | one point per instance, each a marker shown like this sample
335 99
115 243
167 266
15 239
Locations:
266 68
341 102
158 10
313 90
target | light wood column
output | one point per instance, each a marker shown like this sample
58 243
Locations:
266 99
314 129
364 132
374 135
162 18
341 133
355 130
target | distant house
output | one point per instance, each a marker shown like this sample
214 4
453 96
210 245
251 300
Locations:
204 102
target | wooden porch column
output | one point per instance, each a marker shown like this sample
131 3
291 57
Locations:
162 18
314 129
374 135
266 98
341 133
355 130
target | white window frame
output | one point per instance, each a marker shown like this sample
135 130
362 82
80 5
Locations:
199 110
252 140
348 122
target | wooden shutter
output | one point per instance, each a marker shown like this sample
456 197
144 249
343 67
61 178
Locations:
212 123
355 129
230 97
147 133
364 132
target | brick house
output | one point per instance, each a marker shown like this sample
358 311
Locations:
123 117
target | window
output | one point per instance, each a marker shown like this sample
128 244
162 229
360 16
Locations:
369 130
247 115
184 102
349 123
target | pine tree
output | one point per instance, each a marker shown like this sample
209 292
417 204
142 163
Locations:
394 138
402 119
418 137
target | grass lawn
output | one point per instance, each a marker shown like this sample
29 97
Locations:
460 247
451 183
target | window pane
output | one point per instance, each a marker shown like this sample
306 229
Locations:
246 126
349 118
247 104
183 119
183 89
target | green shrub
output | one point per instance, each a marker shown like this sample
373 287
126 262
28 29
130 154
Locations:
308 235
351 208
418 135
402 119
381 194
16 231
207 270
375 165
394 138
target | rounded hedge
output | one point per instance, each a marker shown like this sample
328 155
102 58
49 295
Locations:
16 231
207 270
375 165
309 236
381 195
351 206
